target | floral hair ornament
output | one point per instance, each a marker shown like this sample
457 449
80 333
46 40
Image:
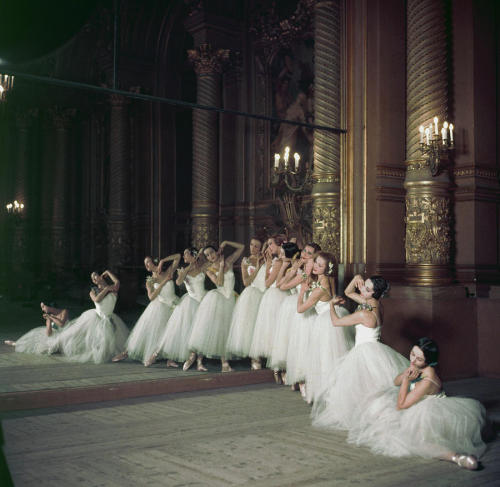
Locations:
194 253
330 267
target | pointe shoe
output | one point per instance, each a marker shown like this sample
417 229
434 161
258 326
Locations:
151 360
11 343
466 461
294 387
256 365
283 376
302 389
189 362
200 367
171 363
277 377
120 357
226 367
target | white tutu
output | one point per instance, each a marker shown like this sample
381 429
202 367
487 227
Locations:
284 318
266 323
327 345
36 340
213 319
369 366
97 335
297 357
151 325
175 341
435 426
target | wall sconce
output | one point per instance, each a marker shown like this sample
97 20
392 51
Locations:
434 146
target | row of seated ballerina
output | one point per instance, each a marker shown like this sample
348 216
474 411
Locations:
289 315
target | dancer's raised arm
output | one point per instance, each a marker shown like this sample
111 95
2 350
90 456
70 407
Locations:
116 283
350 291
229 261
175 259
363 317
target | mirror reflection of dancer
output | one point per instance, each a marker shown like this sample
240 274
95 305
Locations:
173 345
253 272
213 317
367 367
150 327
97 334
39 339
263 334
416 418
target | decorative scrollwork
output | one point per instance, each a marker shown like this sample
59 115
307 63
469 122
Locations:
326 226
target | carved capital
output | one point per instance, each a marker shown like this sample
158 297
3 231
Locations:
205 232
207 60
326 223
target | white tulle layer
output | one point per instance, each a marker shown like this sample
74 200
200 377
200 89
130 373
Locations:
36 341
243 322
297 357
284 318
92 338
211 324
175 341
435 426
148 330
266 323
366 368
327 345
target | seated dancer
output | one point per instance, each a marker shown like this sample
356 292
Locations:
367 367
416 418
213 317
296 271
253 272
173 345
265 323
39 339
150 327
97 334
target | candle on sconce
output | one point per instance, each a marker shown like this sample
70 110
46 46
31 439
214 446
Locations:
287 154
276 161
436 126
427 135
451 132
421 130
443 135
297 159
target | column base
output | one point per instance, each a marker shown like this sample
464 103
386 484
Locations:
428 275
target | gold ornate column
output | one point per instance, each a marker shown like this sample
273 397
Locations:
428 200
327 111
208 64
119 244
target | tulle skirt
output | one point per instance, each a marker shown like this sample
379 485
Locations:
266 323
365 369
36 340
327 345
148 330
297 357
211 324
284 318
435 426
243 322
175 341
92 338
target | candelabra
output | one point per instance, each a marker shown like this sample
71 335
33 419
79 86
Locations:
6 84
292 180
15 207
435 148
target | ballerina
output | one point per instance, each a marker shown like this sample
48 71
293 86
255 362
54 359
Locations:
368 366
213 317
265 324
299 271
97 334
253 273
417 418
150 327
173 345
39 339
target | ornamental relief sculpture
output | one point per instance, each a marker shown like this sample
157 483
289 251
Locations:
427 229
326 227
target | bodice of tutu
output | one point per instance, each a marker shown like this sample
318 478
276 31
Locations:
366 335
260 279
227 288
271 270
167 294
438 395
196 286
322 307
106 305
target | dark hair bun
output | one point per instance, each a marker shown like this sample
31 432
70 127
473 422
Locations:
290 249
380 286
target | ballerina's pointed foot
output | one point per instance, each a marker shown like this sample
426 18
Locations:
189 362
120 357
277 377
226 367
302 389
200 367
151 360
11 343
171 363
256 365
466 461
